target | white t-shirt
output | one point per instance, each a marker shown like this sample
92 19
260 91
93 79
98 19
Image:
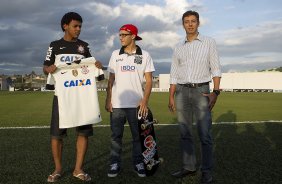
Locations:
75 86
129 73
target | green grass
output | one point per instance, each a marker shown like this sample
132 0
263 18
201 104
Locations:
244 154
34 108
232 107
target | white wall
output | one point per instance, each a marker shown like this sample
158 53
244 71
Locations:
250 80
164 81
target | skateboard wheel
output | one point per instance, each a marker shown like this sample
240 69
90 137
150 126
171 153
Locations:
149 167
143 126
155 121
161 160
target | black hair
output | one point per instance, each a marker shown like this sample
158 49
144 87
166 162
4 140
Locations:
68 17
189 13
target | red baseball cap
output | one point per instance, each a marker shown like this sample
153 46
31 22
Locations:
132 29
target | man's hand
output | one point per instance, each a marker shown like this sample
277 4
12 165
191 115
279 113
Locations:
171 105
143 111
98 64
171 102
212 99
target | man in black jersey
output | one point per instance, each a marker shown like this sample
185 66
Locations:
67 49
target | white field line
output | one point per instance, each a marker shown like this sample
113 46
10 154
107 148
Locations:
214 123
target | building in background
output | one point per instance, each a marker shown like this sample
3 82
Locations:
3 83
230 82
240 82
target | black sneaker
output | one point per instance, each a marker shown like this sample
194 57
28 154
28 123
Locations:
140 170
114 170
183 173
206 178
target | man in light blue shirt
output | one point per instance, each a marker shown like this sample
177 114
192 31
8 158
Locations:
195 63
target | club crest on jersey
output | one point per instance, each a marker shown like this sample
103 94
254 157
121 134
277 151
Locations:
80 49
75 83
138 59
84 69
74 73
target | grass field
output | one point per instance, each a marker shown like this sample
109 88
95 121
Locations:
245 153
34 108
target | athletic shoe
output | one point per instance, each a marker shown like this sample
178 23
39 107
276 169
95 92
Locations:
114 170
140 170
183 173
206 178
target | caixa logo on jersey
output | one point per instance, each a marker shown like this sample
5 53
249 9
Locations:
76 83
69 59
127 68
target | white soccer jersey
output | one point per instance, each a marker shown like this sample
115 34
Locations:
129 73
75 86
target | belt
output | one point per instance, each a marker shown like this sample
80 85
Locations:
194 85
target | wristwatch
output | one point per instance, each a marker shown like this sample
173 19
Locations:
217 92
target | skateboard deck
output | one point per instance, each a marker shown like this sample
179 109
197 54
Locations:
148 142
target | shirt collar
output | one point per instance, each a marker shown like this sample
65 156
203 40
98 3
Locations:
199 37
138 51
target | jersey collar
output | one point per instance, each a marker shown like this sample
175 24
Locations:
138 51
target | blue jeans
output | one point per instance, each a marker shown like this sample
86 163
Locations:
118 117
191 103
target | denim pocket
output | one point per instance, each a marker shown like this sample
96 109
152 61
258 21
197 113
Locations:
204 89
178 88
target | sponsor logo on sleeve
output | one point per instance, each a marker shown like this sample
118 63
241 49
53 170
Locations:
49 53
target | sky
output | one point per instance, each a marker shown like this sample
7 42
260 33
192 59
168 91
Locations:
248 32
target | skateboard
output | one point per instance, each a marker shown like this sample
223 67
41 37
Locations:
148 142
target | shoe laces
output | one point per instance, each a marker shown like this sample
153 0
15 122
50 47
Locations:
114 166
140 166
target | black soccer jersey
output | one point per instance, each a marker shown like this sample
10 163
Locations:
66 52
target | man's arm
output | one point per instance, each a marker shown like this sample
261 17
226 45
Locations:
171 103
108 105
216 83
49 69
147 92
173 81
215 72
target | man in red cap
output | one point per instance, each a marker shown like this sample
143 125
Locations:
128 67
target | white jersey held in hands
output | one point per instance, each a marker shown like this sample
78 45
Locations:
75 86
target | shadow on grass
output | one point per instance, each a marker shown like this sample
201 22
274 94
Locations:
229 116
